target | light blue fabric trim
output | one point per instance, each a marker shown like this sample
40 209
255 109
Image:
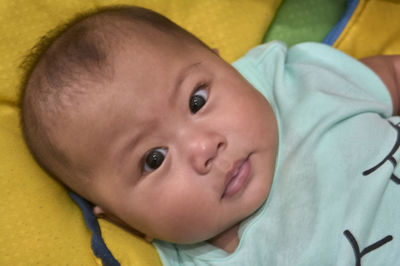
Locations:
334 34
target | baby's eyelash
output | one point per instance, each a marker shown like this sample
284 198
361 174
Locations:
198 98
200 86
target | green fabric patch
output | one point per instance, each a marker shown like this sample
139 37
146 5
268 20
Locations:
305 20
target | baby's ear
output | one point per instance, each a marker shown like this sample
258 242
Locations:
98 211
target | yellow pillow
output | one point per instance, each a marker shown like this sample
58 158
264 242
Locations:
39 223
374 28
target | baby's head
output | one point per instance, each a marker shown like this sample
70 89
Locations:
145 121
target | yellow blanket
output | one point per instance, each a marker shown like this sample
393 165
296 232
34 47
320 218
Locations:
374 28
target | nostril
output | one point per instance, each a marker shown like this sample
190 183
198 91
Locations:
208 162
220 146
212 154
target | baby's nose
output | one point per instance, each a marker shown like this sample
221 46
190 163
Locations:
203 148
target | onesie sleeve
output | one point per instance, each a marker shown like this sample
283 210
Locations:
286 76
345 66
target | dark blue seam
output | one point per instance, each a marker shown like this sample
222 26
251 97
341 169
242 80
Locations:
334 34
98 246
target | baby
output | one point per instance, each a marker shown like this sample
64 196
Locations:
287 159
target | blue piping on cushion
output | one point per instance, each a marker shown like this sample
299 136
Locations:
334 34
98 246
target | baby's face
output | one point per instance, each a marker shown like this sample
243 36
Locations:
180 146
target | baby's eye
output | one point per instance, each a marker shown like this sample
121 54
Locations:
153 159
198 99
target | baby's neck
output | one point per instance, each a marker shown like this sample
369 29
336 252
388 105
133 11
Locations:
227 240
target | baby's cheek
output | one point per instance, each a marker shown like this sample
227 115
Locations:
186 231
184 220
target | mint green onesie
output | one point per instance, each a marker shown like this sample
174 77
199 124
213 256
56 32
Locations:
335 198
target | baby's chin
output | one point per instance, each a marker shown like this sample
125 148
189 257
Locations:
192 236
227 237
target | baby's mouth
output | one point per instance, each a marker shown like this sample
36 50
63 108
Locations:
237 177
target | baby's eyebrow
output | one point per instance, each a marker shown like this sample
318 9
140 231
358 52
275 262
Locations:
128 146
127 149
181 78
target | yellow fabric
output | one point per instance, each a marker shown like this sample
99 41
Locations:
373 29
39 224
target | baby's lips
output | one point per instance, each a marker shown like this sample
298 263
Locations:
237 177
